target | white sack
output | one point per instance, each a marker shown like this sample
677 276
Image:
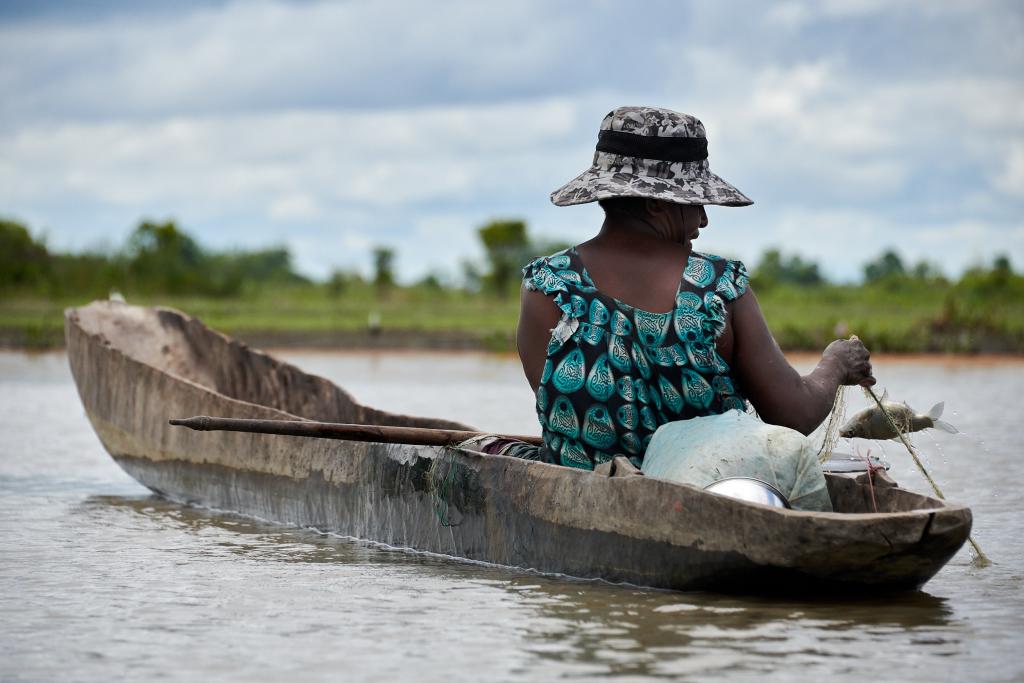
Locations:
703 450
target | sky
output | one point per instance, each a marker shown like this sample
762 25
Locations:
333 127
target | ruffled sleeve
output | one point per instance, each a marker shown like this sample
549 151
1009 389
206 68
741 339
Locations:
733 281
730 285
540 276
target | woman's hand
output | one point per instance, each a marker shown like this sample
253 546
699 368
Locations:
778 392
851 360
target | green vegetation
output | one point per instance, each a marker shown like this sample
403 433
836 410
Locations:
774 270
257 295
507 249
897 309
383 270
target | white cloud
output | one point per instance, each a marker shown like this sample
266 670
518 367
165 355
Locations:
1011 180
788 16
304 159
336 182
856 8
244 55
334 126
295 206
829 134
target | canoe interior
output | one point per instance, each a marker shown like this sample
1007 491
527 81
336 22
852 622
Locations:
179 345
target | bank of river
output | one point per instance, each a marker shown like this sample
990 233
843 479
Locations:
100 580
918 319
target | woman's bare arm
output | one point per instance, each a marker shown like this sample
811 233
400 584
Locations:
777 391
538 315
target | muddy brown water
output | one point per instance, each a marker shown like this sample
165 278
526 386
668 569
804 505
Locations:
100 580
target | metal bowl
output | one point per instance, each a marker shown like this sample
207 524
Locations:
749 490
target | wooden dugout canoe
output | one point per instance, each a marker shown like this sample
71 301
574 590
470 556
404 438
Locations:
136 367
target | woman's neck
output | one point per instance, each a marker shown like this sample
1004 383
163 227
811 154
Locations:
635 233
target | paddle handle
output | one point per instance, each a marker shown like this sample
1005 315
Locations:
419 436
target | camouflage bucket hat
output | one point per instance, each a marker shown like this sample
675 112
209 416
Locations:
650 152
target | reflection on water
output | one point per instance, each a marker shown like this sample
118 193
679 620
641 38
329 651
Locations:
100 579
591 625
255 539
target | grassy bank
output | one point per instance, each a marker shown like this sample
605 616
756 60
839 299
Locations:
258 296
303 316
903 317
912 318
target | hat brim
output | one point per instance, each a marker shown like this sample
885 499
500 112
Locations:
594 184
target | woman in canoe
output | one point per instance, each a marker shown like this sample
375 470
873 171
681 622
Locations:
633 329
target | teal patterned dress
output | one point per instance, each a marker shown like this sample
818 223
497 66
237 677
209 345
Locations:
615 373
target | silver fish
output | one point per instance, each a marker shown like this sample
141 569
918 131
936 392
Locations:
870 423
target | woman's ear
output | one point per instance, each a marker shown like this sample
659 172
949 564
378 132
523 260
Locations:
654 207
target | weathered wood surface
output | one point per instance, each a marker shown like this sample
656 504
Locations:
418 436
136 367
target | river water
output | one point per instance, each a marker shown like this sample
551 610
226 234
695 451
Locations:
99 580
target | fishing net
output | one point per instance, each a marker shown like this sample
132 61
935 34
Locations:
442 478
830 434
980 559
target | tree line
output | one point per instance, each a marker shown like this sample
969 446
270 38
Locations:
161 258
157 258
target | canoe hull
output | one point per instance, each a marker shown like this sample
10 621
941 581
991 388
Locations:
411 515
490 508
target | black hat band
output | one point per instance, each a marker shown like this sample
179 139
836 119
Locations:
652 146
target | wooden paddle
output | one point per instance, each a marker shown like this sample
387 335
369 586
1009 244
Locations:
419 436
